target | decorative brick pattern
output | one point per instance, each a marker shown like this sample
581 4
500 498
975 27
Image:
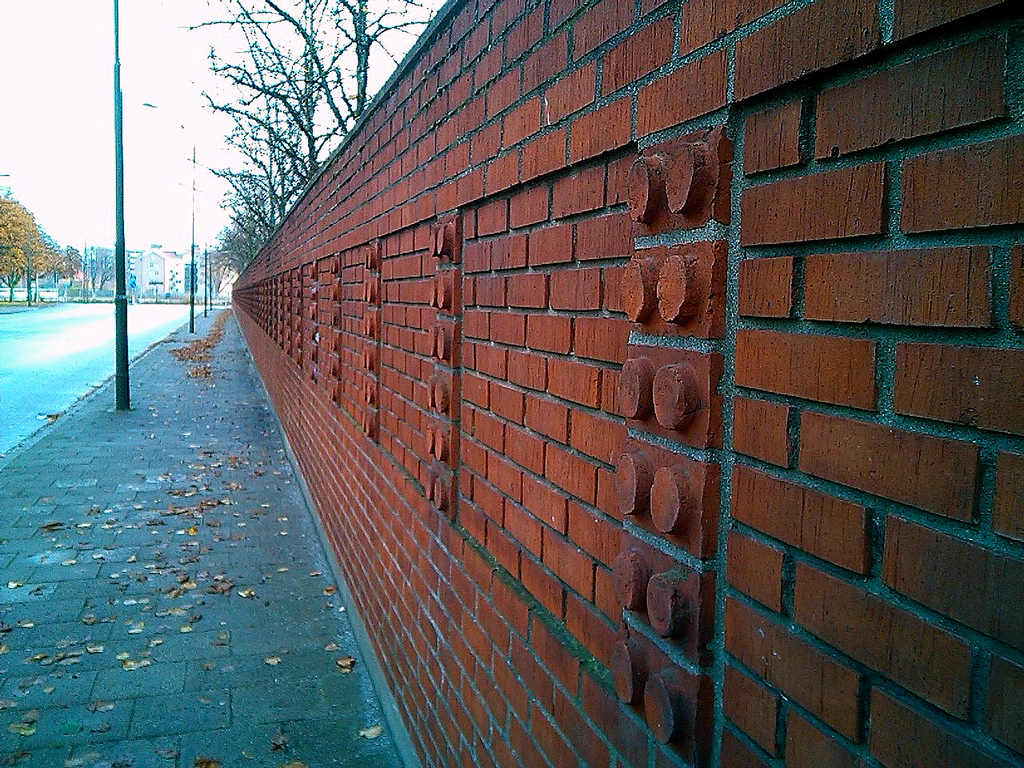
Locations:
656 371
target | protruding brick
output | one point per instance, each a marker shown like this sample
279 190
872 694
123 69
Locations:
632 573
639 288
667 707
676 396
673 504
634 475
672 599
629 670
636 388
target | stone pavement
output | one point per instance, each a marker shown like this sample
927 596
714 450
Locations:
165 598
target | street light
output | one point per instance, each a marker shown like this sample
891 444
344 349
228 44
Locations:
122 396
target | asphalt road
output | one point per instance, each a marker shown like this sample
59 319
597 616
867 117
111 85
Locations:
52 356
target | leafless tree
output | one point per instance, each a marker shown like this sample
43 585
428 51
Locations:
297 85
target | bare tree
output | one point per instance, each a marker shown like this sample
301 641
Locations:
298 85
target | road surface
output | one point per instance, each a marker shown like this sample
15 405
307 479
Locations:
53 355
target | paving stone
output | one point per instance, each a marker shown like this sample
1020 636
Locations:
171 512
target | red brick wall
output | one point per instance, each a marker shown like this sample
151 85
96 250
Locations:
671 352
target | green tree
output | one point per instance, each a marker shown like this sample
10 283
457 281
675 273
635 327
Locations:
18 238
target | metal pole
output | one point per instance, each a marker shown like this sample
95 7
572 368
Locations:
206 289
192 277
28 265
120 298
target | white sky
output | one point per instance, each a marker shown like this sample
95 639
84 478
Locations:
56 118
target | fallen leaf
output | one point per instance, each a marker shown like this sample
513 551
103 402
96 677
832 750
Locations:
184 628
330 590
100 706
24 624
278 741
247 593
22 729
345 663
331 647
206 762
272 660
94 649
130 665
15 584
68 562
372 732
136 629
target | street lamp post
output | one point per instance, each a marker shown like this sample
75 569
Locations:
122 394
192 276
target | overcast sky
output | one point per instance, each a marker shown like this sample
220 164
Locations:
56 119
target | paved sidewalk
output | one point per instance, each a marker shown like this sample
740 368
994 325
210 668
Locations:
164 596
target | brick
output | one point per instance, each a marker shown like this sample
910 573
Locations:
809 747
766 287
508 252
525 449
978 386
492 218
946 90
755 569
544 154
597 435
527 370
751 707
706 20
571 473
644 51
598 24
788 663
524 528
546 63
528 291
576 289
692 90
570 93
508 328
820 35
576 382
569 563
824 526
578 732
898 735
502 173
942 286
521 122
916 655
601 338
913 16
587 625
604 237
530 206
506 402
1017 286
552 245
490 291
1008 504
771 139
547 417
578 192
1002 706
545 503
594 533
830 369
930 473
985 192
961 580
606 128
847 202
502 93
551 333
736 754
761 429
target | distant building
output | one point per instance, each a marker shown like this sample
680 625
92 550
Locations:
160 272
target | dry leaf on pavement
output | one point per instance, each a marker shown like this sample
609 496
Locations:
372 732
345 663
